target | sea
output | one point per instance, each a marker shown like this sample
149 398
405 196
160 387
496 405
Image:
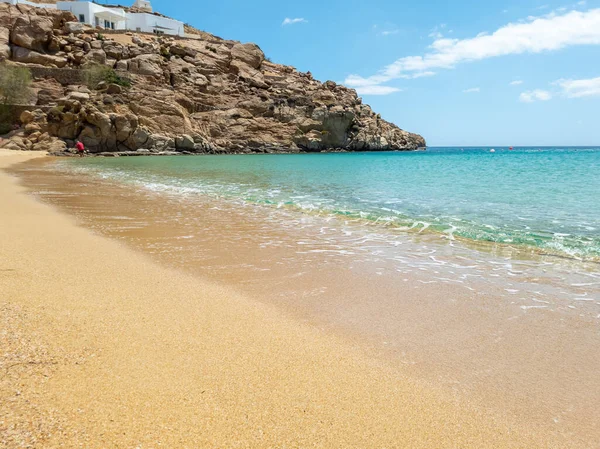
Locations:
544 199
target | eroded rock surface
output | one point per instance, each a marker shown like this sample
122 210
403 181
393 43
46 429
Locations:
188 95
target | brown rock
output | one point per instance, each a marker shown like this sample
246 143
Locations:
251 54
96 56
32 32
25 55
114 89
73 27
4 43
146 65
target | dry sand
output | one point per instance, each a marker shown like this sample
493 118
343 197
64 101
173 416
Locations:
101 347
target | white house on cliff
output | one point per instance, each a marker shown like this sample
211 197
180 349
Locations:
140 18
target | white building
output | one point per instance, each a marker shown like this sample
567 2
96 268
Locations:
96 15
151 23
143 5
116 18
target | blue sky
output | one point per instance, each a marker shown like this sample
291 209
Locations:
532 79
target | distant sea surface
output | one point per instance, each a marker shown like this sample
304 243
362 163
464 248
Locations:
545 199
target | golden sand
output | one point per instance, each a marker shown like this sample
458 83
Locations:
101 347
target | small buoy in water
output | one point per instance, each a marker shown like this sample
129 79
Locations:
511 148
492 151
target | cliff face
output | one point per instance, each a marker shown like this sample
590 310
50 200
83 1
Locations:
198 95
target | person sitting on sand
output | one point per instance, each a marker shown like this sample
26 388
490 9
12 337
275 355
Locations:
80 148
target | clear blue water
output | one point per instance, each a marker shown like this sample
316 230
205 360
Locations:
547 198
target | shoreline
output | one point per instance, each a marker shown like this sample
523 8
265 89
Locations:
250 152
146 353
515 251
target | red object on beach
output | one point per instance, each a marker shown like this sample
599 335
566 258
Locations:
80 146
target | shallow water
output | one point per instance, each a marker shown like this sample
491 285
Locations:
546 199
524 222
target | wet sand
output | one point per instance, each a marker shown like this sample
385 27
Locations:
103 347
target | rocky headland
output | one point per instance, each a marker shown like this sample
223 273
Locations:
201 94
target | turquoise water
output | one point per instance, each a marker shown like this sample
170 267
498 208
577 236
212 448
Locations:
546 198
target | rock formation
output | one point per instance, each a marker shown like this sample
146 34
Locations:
197 95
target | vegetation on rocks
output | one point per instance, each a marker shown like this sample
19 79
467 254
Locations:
15 85
96 74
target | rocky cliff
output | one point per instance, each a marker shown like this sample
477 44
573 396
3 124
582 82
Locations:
202 94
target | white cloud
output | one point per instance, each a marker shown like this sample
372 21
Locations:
288 21
516 82
473 90
535 35
389 32
579 88
420 75
377 90
535 95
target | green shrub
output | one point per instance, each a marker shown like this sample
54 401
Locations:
14 83
97 73
5 119
14 89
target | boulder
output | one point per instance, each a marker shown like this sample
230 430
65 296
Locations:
113 50
73 27
32 32
27 117
79 96
27 56
52 145
139 138
4 43
91 137
114 89
251 54
246 73
65 125
184 142
54 45
124 126
96 56
100 120
146 65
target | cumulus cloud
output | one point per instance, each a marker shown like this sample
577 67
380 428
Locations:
516 82
535 95
534 35
288 21
377 90
566 88
579 88
472 90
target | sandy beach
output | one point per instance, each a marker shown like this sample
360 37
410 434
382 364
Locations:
102 347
